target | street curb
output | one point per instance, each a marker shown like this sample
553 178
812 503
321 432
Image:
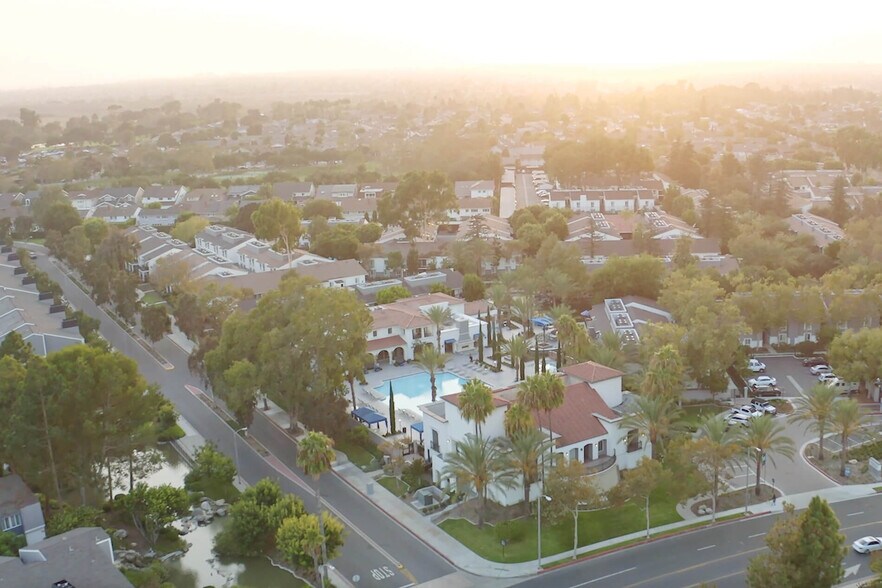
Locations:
670 535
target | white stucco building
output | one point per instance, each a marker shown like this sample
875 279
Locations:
586 428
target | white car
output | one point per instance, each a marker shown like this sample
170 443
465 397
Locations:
748 410
762 381
820 369
827 377
764 405
737 418
756 365
867 544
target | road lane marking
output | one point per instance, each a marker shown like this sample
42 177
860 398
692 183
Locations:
696 566
705 547
603 577
795 385
854 514
755 535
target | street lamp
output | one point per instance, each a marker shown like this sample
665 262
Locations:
539 528
236 450
747 478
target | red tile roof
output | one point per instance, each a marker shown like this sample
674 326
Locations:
386 343
576 419
454 400
591 372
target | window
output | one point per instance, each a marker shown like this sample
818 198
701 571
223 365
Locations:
375 334
435 445
389 331
601 447
11 522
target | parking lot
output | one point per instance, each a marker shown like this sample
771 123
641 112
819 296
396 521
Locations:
794 380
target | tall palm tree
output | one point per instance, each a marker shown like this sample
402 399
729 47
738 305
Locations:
476 403
315 454
518 419
524 451
517 349
439 315
847 419
432 360
525 308
664 374
509 281
558 284
558 312
498 293
658 417
816 409
479 464
716 448
764 436
552 389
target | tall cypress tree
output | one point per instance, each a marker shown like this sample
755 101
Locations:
392 422
480 339
535 355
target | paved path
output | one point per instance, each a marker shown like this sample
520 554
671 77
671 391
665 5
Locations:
526 192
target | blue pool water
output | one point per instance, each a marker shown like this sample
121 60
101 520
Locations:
415 389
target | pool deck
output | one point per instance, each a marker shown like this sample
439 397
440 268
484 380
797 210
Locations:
458 364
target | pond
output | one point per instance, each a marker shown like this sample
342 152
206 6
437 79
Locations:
199 566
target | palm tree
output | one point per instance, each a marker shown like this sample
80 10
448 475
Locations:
498 294
715 449
518 419
432 360
478 464
509 281
816 409
558 284
517 349
552 389
664 374
476 403
658 417
315 454
765 437
524 451
558 312
439 315
524 308
847 419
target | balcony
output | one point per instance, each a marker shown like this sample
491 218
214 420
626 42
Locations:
600 464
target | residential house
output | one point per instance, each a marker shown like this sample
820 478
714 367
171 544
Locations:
402 327
164 196
157 217
248 252
14 204
626 317
822 230
354 210
20 510
113 213
80 558
376 190
577 200
209 203
470 207
587 427
85 200
242 191
335 191
474 189
294 191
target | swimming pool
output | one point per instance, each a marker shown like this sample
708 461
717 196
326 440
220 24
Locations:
415 389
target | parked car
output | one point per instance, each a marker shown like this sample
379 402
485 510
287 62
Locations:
737 419
748 410
765 391
827 377
843 386
764 405
867 544
814 360
820 369
756 365
762 381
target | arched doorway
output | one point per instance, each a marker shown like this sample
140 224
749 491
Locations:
398 355
383 357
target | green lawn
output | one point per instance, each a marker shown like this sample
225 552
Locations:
693 414
394 485
360 455
593 527
151 298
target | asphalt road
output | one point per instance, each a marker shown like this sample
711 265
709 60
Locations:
717 555
377 550
526 192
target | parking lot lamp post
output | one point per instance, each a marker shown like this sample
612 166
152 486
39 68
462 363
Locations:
539 528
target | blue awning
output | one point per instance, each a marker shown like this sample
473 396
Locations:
543 321
451 341
586 313
369 416
417 426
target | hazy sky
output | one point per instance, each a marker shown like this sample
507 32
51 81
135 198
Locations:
62 42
